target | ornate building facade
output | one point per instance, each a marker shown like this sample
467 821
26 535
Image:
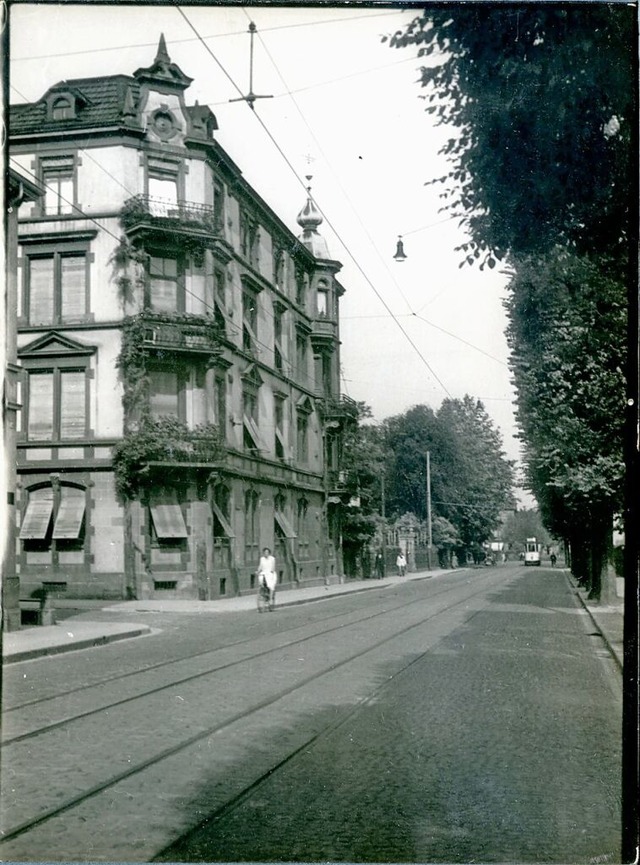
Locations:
179 348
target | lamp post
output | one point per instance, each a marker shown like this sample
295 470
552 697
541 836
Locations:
429 529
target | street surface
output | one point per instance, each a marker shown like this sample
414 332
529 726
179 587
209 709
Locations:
471 717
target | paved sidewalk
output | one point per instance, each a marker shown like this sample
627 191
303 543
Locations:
607 618
74 633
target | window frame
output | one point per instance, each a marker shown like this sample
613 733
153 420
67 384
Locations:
46 168
182 381
157 166
62 248
56 367
180 280
49 543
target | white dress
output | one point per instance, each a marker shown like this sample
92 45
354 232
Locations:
267 572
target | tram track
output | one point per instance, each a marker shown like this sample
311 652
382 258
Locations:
11 740
215 729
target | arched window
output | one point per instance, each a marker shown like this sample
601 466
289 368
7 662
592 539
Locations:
54 521
62 109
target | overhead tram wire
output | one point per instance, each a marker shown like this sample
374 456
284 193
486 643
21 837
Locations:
329 223
212 36
328 162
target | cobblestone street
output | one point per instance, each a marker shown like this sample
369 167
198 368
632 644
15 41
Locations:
472 717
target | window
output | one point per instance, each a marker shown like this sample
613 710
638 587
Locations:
164 285
249 321
301 357
58 179
165 396
278 413
167 526
56 288
302 438
278 267
221 404
162 178
301 286
251 525
322 300
302 528
62 109
251 438
249 239
327 377
218 205
57 404
220 298
278 330
54 521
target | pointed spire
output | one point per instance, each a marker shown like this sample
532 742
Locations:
163 55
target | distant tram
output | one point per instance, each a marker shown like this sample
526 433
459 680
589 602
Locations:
532 552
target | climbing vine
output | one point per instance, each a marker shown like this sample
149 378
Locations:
123 257
160 440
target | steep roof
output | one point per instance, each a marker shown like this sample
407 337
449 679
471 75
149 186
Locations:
103 103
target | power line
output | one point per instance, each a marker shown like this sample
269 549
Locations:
337 179
309 380
329 223
212 36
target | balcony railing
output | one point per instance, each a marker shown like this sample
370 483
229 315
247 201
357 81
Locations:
184 333
145 210
340 409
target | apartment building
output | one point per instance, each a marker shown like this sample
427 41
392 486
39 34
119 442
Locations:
179 348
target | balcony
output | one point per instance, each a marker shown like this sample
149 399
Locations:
182 333
341 410
144 214
324 332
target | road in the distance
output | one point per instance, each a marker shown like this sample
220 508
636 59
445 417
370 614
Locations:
468 717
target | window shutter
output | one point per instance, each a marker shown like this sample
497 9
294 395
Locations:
41 283
72 405
40 425
73 278
168 521
70 513
35 524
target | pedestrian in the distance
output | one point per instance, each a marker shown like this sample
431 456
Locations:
554 559
401 564
379 565
267 574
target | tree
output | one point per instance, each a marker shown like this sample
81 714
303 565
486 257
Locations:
362 465
471 481
542 100
567 326
521 525
480 478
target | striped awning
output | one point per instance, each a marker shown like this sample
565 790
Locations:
35 524
168 521
70 514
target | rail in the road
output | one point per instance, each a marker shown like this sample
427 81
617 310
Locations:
363 636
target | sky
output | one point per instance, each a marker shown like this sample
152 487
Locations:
347 110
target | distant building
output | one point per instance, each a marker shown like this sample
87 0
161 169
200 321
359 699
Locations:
180 348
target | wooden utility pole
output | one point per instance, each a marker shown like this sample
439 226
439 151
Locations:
429 535
384 525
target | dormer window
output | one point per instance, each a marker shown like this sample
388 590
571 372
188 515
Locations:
64 103
62 109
